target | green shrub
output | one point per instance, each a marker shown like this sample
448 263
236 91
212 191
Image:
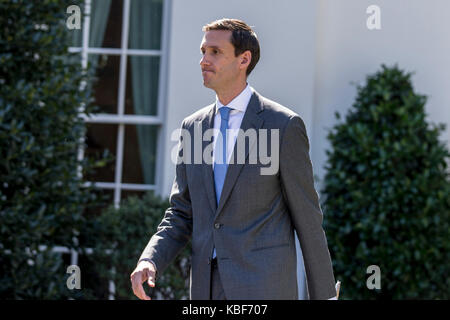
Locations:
387 194
118 237
41 195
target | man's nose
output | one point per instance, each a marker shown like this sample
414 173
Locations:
203 60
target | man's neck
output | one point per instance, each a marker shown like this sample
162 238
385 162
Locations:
227 95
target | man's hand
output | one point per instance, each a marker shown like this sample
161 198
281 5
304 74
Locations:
145 271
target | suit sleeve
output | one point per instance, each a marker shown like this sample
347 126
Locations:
297 183
175 229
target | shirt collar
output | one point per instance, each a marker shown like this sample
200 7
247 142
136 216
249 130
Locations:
240 102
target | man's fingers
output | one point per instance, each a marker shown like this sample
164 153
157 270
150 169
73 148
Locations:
151 278
136 283
142 294
137 278
139 291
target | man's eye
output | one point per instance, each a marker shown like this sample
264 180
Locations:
213 51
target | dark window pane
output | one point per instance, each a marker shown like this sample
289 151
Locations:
139 154
101 137
145 24
106 24
142 85
106 86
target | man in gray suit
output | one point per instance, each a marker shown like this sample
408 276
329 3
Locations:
241 220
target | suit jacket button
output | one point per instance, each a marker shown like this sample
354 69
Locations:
217 225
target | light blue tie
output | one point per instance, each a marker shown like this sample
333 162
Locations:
220 153
220 156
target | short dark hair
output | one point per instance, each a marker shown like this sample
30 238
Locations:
243 38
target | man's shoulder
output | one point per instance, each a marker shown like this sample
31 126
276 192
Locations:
198 115
275 111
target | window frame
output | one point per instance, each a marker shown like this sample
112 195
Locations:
120 118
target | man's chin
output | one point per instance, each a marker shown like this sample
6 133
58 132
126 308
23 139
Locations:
207 84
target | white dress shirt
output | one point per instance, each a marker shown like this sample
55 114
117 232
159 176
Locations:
239 105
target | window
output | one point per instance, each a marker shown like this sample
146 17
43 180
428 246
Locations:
124 41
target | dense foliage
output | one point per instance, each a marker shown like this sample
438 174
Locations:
118 238
387 194
41 194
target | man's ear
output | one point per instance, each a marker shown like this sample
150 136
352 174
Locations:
246 58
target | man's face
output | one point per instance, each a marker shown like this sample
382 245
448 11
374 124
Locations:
219 65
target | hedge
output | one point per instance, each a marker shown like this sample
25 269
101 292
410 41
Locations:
41 194
118 237
386 194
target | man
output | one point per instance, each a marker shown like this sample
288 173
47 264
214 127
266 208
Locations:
241 221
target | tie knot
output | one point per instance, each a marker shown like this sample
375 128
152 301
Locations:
225 112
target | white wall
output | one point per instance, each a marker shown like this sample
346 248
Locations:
285 72
414 33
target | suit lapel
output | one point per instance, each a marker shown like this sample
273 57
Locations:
208 176
251 120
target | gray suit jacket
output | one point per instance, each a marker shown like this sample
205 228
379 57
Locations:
252 228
